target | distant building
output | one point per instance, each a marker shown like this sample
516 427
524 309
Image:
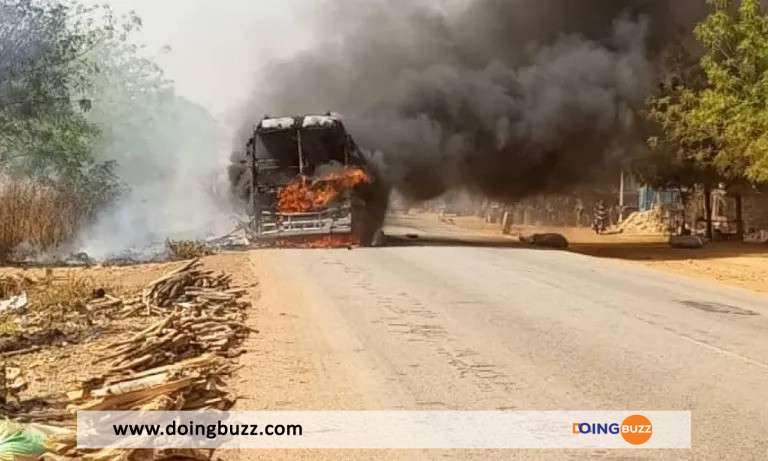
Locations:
649 197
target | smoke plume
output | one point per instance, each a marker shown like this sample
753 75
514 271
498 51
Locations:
502 97
166 151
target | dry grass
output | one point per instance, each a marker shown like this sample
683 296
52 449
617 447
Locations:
11 286
53 301
35 217
8 325
65 293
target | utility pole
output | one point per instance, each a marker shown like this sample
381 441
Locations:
301 151
621 197
254 167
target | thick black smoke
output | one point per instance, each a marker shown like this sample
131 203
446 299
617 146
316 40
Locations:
504 97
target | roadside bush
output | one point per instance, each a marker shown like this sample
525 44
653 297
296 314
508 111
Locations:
187 249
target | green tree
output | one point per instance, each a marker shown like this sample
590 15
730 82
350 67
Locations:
45 74
80 104
733 107
712 113
682 154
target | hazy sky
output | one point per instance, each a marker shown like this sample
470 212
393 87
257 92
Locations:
216 46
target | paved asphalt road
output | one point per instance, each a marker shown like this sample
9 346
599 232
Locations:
440 326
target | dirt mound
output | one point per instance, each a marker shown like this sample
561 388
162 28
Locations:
646 222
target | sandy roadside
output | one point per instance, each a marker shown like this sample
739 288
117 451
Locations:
55 369
731 263
62 365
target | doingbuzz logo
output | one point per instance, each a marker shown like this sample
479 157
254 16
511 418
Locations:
635 429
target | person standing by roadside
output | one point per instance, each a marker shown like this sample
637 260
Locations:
579 212
600 217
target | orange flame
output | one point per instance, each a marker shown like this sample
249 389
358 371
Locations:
307 194
318 242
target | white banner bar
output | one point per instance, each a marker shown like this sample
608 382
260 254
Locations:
386 429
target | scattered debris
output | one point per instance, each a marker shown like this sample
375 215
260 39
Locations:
59 311
241 237
25 342
14 303
19 441
11 383
13 295
13 353
178 362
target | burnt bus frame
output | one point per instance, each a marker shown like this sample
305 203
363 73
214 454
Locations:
260 159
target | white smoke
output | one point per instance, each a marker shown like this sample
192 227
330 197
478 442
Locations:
169 155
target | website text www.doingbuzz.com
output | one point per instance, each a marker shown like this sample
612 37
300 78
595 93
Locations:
209 431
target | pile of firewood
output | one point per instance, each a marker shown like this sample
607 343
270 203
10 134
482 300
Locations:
177 363
109 306
182 334
188 287
194 383
206 317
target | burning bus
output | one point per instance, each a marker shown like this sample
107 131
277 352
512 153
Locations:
311 181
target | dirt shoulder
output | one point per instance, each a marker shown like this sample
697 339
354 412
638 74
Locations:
737 264
62 365
86 340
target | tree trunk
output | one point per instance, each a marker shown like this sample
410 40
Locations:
3 387
739 217
708 209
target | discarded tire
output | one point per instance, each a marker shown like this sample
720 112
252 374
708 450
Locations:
546 240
